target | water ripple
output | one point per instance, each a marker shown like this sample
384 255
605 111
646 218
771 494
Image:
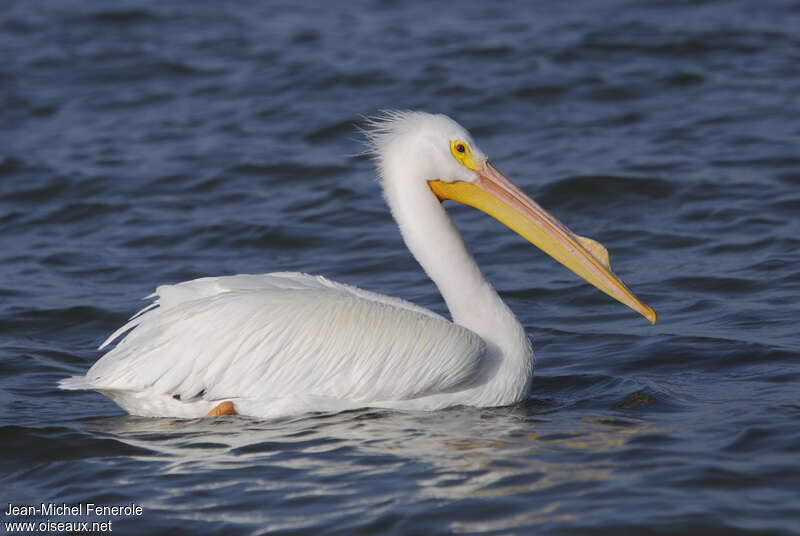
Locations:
143 145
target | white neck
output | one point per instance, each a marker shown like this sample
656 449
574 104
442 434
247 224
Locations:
435 242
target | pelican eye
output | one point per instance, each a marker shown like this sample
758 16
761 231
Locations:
462 152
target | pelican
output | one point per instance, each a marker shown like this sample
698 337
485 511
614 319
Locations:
287 343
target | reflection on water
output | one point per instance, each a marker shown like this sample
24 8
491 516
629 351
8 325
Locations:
458 454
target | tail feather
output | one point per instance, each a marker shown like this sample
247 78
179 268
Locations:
75 383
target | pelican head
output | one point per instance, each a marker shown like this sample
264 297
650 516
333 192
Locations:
436 157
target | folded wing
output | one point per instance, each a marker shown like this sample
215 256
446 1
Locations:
285 334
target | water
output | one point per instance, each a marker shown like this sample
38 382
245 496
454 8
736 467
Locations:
155 142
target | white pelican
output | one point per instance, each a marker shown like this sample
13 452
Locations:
286 343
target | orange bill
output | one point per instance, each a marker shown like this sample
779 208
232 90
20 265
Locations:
495 195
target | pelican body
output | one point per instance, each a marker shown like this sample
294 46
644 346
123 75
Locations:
287 343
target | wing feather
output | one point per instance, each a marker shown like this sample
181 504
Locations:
286 334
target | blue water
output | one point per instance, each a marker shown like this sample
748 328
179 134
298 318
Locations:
154 142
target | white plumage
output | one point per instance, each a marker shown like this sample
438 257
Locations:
285 343
261 338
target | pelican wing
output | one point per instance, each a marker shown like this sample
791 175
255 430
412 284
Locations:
285 334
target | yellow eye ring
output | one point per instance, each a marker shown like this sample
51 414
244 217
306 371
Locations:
462 152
